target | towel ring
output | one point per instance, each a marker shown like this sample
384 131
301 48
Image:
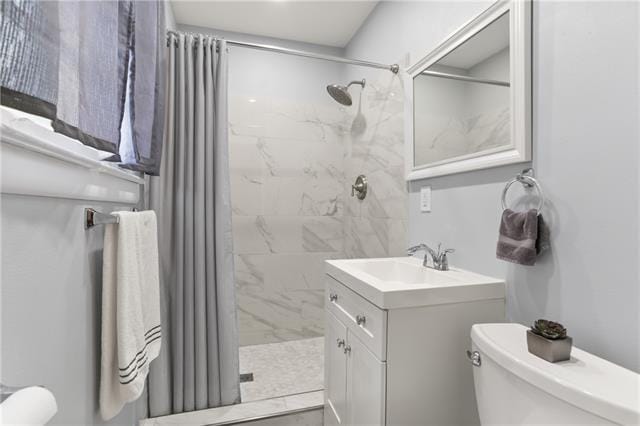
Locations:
527 181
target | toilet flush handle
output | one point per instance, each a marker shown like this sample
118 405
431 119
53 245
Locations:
474 357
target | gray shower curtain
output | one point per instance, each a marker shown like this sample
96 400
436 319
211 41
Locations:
198 365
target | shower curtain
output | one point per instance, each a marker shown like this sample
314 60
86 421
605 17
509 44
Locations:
198 365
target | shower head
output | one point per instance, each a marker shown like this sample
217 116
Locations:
341 93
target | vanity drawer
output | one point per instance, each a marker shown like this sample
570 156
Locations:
363 318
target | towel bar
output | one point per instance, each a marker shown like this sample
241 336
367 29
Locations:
93 218
525 178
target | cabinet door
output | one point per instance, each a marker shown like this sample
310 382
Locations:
335 371
366 384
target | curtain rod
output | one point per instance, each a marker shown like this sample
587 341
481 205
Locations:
394 68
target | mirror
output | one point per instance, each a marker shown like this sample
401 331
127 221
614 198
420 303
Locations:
461 102
465 107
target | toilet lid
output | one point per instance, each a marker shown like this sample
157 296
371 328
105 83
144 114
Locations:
586 381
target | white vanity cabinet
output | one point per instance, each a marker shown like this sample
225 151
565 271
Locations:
398 365
355 381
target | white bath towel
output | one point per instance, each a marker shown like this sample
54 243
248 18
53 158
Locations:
131 331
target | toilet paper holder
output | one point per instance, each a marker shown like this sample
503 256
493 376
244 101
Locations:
7 391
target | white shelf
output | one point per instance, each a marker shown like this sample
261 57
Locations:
35 161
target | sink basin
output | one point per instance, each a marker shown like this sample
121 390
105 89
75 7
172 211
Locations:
403 282
402 272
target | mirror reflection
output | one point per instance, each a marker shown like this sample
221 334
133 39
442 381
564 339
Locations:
462 101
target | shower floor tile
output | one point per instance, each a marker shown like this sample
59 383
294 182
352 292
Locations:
283 368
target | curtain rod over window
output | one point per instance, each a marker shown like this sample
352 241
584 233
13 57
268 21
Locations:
394 68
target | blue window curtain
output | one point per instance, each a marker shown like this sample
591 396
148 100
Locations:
96 69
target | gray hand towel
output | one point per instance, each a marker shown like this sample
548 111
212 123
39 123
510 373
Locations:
523 236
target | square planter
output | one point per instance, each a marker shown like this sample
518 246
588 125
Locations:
549 350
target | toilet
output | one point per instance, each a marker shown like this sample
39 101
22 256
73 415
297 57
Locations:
515 387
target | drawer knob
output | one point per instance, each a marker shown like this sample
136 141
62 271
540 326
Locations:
361 319
340 342
333 297
347 350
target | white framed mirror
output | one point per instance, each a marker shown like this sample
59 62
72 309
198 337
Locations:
468 102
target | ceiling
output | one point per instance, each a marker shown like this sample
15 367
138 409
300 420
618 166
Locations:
330 23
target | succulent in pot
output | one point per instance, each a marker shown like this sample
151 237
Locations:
549 341
549 329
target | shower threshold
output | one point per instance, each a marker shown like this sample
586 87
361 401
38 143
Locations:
287 388
304 408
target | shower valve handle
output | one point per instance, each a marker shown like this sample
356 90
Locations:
359 188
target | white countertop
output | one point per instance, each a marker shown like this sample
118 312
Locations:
402 282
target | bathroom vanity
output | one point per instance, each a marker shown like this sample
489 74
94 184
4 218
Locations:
396 338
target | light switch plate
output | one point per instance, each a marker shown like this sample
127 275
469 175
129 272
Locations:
425 199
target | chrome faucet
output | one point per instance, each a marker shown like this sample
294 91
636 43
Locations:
438 258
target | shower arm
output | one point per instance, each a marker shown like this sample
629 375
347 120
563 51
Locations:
359 82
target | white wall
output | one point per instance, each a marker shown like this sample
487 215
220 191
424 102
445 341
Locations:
51 267
50 304
585 136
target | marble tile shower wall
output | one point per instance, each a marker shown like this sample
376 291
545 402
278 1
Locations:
287 185
377 226
292 166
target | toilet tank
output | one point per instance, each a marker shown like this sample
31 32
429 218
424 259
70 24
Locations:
514 387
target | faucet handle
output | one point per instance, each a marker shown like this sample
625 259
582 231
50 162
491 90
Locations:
444 262
411 250
444 252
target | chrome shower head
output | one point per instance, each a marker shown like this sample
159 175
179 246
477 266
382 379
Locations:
341 93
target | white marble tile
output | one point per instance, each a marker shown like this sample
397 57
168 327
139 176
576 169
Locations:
303 196
286 234
398 240
375 226
245 155
300 157
275 314
250 118
292 166
246 194
283 368
250 236
267 234
289 315
284 120
280 294
298 271
322 234
313 417
365 237
389 195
